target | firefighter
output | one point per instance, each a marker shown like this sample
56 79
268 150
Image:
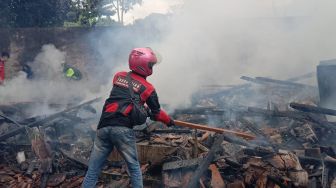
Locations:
115 126
4 57
71 72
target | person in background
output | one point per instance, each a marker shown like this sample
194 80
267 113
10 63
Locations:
115 128
27 69
71 72
4 57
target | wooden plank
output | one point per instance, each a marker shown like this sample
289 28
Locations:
216 147
312 109
213 129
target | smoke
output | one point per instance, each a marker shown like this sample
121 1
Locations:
212 42
217 41
48 63
114 45
49 85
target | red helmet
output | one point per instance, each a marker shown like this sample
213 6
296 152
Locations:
142 60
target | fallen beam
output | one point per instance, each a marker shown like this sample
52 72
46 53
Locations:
216 130
237 140
317 161
284 83
201 111
43 121
304 76
312 109
8 119
299 116
275 113
265 81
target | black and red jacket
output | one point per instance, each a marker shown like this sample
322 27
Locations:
117 107
2 72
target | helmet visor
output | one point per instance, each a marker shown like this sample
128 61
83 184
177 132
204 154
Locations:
151 64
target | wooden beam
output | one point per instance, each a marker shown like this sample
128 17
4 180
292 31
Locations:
216 147
213 129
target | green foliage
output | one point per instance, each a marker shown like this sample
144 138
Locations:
4 12
33 13
105 21
121 7
68 13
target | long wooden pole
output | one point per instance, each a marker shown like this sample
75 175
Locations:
217 130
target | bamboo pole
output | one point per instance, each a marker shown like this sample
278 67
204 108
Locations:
213 129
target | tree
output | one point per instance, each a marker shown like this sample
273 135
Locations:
4 12
37 13
32 13
121 7
89 12
55 13
85 11
92 12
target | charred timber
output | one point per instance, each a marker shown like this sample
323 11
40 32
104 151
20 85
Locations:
312 109
275 113
265 81
285 83
191 163
201 111
45 120
258 151
8 119
264 152
237 140
304 76
176 131
317 161
299 116
71 157
253 128
216 147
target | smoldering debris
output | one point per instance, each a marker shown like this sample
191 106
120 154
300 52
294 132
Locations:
293 146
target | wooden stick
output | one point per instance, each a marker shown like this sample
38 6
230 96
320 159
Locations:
217 130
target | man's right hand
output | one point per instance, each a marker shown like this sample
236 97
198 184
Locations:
171 123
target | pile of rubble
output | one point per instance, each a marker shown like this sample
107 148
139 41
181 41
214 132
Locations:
294 143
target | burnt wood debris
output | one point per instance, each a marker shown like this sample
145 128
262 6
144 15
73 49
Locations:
266 133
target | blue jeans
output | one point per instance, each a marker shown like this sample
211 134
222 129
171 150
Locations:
123 139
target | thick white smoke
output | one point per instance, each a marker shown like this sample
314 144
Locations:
217 41
49 85
201 43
